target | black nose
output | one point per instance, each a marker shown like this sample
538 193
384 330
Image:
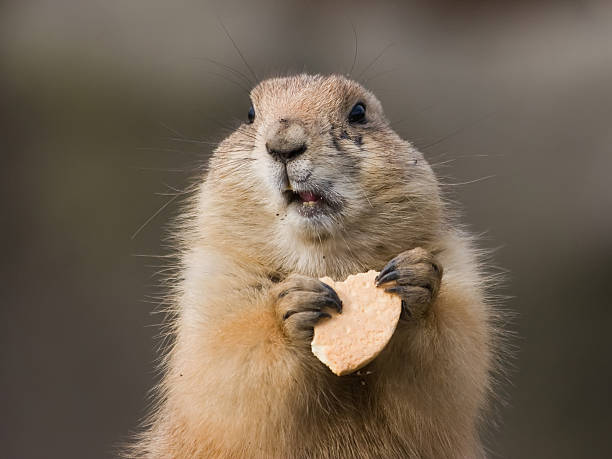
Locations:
285 152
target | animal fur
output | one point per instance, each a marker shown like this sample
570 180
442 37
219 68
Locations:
237 383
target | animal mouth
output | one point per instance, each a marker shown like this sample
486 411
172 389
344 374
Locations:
308 203
307 198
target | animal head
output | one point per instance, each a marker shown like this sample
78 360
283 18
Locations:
317 160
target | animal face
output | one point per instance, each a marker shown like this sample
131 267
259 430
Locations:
322 156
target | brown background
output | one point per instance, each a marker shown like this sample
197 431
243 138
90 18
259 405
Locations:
97 101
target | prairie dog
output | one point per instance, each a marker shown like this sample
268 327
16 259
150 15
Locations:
316 183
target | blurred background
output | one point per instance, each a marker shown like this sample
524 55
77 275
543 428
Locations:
107 112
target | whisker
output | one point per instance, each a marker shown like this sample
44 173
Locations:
172 130
237 49
236 72
469 182
141 227
380 54
355 54
185 140
236 83
461 157
458 130
378 75
175 189
167 150
419 111
165 194
158 169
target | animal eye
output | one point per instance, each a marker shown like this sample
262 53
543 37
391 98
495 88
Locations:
357 114
251 115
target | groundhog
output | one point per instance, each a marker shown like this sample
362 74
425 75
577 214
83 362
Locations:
316 183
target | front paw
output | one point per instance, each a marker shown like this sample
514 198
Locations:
415 276
300 302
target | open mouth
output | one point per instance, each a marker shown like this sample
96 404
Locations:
307 203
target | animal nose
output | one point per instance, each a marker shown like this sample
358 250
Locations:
285 154
288 141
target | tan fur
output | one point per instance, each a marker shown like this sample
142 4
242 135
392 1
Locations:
235 385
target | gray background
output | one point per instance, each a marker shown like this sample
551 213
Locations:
103 107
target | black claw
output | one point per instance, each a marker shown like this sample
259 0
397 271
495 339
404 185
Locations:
328 300
324 314
330 290
388 277
395 289
336 299
388 268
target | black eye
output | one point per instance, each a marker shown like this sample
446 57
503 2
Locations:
357 114
251 114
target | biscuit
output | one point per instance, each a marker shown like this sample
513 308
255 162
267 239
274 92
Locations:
348 341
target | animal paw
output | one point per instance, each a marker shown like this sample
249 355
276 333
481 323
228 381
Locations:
415 275
301 302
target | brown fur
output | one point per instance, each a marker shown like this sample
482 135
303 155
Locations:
236 383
